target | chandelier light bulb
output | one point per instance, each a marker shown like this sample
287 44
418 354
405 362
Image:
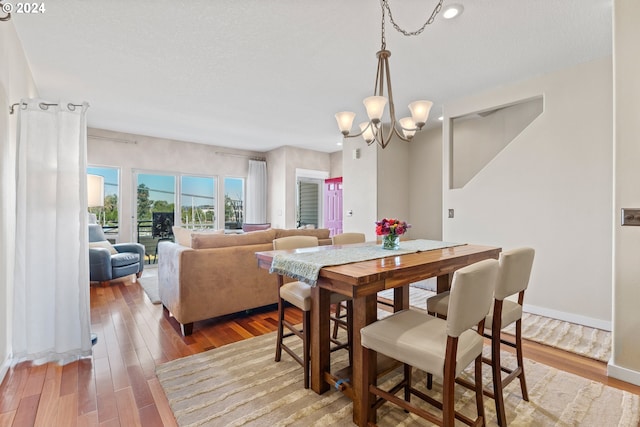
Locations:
408 127
345 121
375 107
420 112
367 132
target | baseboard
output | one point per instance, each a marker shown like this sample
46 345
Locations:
623 374
4 368
568 317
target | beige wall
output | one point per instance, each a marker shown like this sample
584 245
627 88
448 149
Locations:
336 164
276 175
16 83
401 181
393 181
625 363
157 155
550 188
425 185
282 183
360 188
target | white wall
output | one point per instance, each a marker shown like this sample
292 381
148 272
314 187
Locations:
16 82
550 188
625 363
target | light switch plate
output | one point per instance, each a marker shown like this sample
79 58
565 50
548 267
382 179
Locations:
630 216
451 213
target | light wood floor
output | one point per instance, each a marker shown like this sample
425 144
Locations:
118 386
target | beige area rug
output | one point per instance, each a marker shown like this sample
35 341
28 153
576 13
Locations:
240 385
582 340
149 282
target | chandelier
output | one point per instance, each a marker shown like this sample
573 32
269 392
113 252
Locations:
405 128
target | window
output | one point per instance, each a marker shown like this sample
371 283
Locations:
108 214
197 202
233 203
309 202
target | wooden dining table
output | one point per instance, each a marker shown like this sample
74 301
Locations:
362 281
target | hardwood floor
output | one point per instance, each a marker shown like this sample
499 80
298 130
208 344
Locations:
118 386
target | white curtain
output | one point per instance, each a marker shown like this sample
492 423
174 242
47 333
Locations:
51 316
256 211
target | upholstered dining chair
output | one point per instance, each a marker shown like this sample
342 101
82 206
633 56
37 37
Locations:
348 238
342 320
443 347
299 294
513 279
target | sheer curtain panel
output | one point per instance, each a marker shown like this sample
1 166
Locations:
256 212
51 289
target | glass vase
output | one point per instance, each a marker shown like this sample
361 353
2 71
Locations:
391 242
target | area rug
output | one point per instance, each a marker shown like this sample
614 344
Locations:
240 385
583 340
149 282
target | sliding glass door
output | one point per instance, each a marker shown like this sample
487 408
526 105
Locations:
164 200
198 202
155 210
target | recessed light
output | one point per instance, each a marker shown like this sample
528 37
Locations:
452 11
441 118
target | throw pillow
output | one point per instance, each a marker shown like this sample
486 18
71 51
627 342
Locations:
104 244
185 237
182 236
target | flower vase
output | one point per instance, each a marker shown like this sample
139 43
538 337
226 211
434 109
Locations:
391 242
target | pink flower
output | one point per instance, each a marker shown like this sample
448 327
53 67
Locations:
391 226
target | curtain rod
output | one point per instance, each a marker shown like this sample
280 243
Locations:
223 153
108 138
43 105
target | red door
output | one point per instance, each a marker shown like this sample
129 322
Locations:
333 205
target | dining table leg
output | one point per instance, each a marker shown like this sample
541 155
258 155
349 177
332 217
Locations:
320 343
444 283
400 298
365 311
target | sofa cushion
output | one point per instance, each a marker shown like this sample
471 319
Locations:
184 236
320 233
207 241
104 244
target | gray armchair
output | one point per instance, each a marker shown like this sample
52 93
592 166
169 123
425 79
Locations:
108 262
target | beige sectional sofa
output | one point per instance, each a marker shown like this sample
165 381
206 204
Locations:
205 275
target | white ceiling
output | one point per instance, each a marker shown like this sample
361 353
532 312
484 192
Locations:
257 74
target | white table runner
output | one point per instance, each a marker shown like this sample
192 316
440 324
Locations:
306 266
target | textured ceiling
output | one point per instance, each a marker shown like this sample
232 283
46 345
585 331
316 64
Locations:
256 74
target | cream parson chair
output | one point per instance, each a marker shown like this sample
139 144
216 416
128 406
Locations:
513 279
298 294
344 239
442 347
348 238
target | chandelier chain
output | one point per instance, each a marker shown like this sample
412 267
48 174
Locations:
384 38
385 5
